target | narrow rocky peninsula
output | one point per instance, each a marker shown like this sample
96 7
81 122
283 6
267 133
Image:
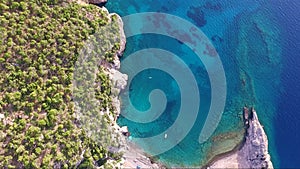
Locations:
254 151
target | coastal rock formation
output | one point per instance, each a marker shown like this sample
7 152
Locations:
257 144
119 82
254 152
133 156
98 2
118 79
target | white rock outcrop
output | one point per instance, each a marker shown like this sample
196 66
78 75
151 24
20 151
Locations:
254 151
256 146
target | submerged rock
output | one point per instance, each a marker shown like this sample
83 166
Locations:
197 15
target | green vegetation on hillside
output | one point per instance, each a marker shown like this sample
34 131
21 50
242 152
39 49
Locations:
40 43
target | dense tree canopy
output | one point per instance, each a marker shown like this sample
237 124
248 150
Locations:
40 42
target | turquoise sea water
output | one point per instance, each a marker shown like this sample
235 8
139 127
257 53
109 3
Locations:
249 40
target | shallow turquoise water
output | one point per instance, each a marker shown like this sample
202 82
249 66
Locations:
246 36
140 88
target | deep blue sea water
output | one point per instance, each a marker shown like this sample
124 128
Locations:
286 123
258 43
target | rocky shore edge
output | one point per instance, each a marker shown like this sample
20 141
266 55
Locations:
252 152
133 156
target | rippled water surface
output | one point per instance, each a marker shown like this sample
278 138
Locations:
255 54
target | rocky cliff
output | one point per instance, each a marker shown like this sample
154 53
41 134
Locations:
256 146
254 152
97 2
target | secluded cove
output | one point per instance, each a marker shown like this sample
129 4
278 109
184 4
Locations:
246 37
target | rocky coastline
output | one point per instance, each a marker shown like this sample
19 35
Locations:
98 2
253 152
133 156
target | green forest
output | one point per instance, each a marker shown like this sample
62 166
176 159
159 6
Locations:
40 43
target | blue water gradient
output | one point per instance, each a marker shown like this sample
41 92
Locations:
286 123
258 42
